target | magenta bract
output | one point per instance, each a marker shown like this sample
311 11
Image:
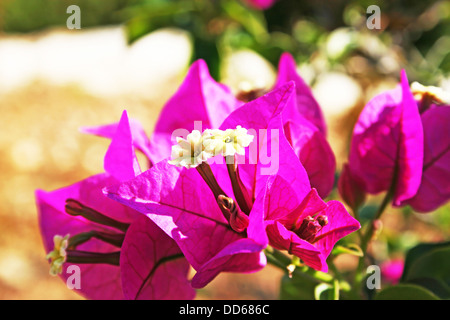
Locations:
200 102
387 144
305 103
180 202
434 190
305 128
152 265
104 280
260 4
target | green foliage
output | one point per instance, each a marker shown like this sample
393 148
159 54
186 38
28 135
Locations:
413 35
406 292
426 275
27 16
428 265
298 288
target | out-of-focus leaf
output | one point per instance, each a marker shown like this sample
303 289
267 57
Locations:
428 265
323 291
433 264
299 287
436 286
326 291
207 50
252 20
406 292
421 254
367 213
146 19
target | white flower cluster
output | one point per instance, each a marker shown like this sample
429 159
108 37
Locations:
58 255
199 147
437 93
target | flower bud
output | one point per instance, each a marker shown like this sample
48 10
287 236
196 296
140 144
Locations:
310 227
238 220
227 142
189 152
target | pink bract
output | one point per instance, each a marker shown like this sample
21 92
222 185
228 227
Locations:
434 190
260 4
387 144
181 203
104 281
305 128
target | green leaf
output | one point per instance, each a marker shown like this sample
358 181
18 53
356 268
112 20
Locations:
367 213
252 20
433 264
436 286
352 249
322 291
326 291
406 292
299 287
428 260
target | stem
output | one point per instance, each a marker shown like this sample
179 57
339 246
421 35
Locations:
365 240
281 261
116 239
336 288
76 208
206 173
333 268
75 256
275 262
238 192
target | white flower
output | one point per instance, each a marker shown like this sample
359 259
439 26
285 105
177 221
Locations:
437 94
59 255
189 152
227 142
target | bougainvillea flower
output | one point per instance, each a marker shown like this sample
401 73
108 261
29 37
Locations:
305 129
392 270
260 4
140 139
152 265
199 103
297 219
98 233
434 190
351 188
387 145
189 207
202 103
216 232
283 198
314 152
305 102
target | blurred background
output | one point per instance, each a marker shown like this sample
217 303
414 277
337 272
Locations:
133 54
